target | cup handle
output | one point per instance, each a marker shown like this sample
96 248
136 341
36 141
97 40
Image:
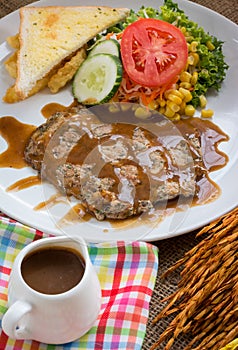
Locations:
12 317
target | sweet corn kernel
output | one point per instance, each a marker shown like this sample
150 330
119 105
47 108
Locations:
186 94
134 107
125 106
182 107
210 45
161 110
175 92
203 101
153 105
185 77
168 112
193 46
172 91
175 98
189 111
207 113
113 108
167 92
173 106
161 102
194 78
185 68
183 30
176 117
185 85
190 60
189 38
195 58
142 113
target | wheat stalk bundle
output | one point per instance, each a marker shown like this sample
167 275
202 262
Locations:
206 301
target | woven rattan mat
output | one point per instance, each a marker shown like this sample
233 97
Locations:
228 8
171 250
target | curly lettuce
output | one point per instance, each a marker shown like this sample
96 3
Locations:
212 66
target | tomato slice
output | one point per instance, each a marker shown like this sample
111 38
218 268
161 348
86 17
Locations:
153 52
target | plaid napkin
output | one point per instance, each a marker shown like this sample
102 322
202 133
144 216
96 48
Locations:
127 275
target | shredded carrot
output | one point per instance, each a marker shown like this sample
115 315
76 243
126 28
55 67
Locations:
119 35
109 35
131 91
155 94
143 98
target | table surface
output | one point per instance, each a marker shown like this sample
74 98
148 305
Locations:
171 250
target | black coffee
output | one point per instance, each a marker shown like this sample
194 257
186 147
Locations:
53 270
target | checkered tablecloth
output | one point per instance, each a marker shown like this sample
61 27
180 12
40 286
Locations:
127 274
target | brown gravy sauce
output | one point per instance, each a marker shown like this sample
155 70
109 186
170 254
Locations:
16 135
49 109
211 137
76 213
24 183
53 200
13 157
53 270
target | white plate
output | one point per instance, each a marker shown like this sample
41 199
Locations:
19 205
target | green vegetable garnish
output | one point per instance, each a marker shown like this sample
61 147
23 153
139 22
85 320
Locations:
212 66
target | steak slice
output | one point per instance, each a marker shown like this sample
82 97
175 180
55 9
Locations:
117 170
38 142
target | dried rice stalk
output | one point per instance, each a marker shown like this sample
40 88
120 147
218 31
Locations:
206 302
231 346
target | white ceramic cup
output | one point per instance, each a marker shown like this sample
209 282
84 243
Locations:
52 318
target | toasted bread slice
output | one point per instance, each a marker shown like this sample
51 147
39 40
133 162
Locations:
48 35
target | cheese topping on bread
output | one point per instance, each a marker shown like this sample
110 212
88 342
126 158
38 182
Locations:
48 35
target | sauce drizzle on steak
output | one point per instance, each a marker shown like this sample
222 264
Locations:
122 169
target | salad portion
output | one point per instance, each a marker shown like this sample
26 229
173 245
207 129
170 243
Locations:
158 58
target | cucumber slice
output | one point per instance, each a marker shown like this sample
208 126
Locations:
110 46
97 79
